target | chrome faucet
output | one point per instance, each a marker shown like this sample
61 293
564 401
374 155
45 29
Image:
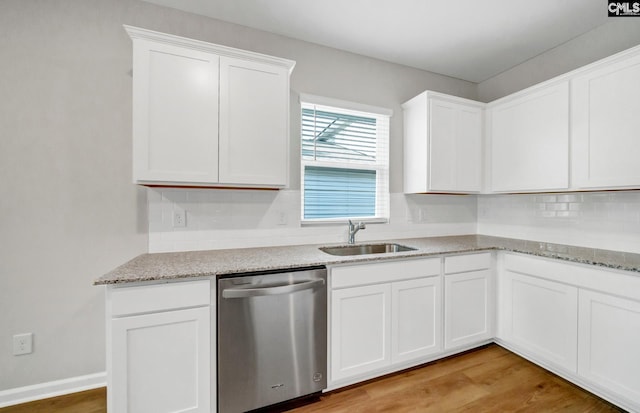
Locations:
353 228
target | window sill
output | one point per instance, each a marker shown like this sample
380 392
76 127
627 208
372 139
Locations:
341 221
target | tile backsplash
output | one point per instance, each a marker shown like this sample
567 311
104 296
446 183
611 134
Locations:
606 220
224 218
230 218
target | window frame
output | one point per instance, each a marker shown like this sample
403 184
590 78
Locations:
381 166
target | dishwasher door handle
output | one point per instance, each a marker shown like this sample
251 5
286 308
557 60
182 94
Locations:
264 291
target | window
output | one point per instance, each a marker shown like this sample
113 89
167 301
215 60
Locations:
345 161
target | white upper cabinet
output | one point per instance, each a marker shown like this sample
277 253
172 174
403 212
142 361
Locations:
175 113
529 140
442 144
208 115
605 139
254 123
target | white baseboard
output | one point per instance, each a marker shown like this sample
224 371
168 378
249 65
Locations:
52 389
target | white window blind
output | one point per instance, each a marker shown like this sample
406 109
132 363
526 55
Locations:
345 163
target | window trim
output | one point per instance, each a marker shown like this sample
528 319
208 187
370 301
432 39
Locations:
344 104
380 168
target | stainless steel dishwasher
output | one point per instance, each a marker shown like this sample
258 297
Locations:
272 338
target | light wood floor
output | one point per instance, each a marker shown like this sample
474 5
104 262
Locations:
90 401
490 379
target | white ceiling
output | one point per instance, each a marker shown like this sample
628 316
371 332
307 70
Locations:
467 39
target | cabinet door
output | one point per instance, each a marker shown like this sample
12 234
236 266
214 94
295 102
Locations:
254 123
416 314
161 362
605 145
541 317
529 137
468 314
360 330
455 146
609 343
175 114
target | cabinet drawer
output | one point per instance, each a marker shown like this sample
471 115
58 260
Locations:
158 297
462 263
383 271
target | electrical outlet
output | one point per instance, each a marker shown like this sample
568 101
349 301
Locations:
179 217
22 344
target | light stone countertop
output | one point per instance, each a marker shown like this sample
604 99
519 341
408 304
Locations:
174 265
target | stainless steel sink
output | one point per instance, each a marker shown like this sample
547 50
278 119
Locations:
366 249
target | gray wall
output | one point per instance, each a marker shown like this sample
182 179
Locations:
69 212
615 36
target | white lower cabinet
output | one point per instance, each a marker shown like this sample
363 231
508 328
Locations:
468 300
580 321
159 348
541 317
416 311
396 314
157 365
609 343
375 326
394 318
360 330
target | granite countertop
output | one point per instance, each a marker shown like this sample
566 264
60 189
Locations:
172 265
